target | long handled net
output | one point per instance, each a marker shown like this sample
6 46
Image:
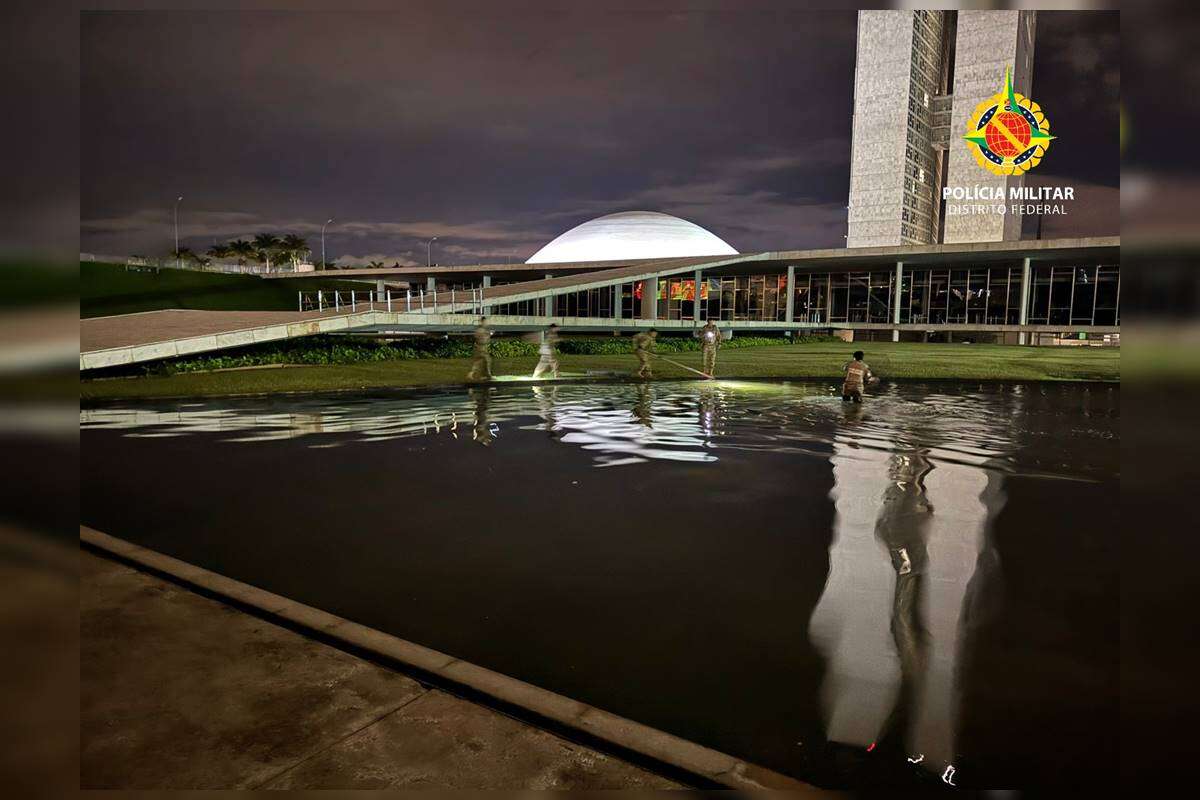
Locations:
683 366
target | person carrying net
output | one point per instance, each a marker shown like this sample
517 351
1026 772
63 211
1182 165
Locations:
643 348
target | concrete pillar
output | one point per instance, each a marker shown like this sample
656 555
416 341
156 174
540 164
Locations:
896 301
548 304
650 298
790 315
487 284
697 307
1023 318
430 284
828 297
616 301
380 288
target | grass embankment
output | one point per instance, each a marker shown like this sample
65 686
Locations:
108 289
815 360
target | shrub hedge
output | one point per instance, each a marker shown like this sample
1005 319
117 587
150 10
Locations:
321 350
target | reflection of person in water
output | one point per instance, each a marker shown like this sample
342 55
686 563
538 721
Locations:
706 406
641 409
481 430
903 527
547 399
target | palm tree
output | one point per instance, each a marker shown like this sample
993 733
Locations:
375 265
220 251
294 247
183 254
265 246
241 250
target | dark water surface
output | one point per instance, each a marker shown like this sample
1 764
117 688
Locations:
755 566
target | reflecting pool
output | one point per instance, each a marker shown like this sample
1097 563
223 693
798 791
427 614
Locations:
919 589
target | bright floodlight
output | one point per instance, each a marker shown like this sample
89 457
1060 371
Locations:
632 234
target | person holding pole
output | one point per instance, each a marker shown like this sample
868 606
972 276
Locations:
710 342
643 348
481 361
548 350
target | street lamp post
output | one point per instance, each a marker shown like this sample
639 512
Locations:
323 242
429 252
178 263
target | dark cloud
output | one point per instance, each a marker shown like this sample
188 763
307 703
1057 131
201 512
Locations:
1077 80
493 130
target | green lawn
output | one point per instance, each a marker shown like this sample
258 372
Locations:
108 289
821 360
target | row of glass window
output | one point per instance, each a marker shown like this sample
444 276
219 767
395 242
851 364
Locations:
1059 295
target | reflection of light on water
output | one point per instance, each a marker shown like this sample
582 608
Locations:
621 423
936 451
691 421
912 497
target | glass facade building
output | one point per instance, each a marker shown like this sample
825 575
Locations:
1070 295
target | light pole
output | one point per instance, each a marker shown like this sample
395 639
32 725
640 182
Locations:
323 242
177 261
429 252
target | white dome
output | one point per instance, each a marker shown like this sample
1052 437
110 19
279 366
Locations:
632 234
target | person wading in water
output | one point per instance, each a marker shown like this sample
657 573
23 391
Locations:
857 375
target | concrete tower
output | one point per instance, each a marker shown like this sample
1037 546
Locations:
919 75
903 63
987 43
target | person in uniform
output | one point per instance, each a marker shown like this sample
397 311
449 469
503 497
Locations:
857 375
710 341
481 360
643 346
548 350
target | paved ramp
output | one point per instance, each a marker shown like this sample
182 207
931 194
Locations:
133 338
152 335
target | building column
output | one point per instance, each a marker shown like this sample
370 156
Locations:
430 284
896 301
829 298
548 304
650 298
616 301
487 284
1023 318
697 303
790 315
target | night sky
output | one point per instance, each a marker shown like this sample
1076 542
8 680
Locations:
497 126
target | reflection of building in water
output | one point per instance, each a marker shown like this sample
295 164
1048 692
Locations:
889 618
903 527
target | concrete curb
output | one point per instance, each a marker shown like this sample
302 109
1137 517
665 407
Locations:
681 755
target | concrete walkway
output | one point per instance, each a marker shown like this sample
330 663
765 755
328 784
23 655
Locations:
178 691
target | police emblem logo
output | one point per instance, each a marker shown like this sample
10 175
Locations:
1008 133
